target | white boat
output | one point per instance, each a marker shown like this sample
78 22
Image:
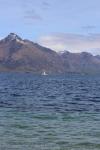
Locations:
44 73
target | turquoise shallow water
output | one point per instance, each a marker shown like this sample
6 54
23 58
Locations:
49 113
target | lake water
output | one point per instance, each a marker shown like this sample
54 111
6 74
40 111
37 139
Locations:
49 112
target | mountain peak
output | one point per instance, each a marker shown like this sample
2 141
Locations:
13 36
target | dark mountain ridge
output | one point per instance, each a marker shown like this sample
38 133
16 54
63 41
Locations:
17 54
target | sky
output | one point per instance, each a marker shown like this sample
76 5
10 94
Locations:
71 25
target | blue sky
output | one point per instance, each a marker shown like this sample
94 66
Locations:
58 24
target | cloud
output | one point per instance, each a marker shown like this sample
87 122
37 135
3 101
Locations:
46 4
31 11
32 15
72 42
89 27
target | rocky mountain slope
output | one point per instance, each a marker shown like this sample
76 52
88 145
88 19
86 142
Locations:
17 54
23 55
81 62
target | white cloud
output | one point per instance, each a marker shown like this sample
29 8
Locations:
72 42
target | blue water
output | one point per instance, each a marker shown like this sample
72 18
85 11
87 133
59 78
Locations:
49 112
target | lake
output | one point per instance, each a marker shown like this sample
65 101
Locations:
49 112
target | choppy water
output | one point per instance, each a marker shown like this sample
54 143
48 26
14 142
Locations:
49 112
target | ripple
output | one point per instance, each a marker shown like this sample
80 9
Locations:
52 113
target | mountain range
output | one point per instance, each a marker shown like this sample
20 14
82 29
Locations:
21 55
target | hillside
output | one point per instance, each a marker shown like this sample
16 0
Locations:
17 54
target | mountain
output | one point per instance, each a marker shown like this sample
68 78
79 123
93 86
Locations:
81 62
17 54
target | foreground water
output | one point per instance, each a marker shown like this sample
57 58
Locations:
49 112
